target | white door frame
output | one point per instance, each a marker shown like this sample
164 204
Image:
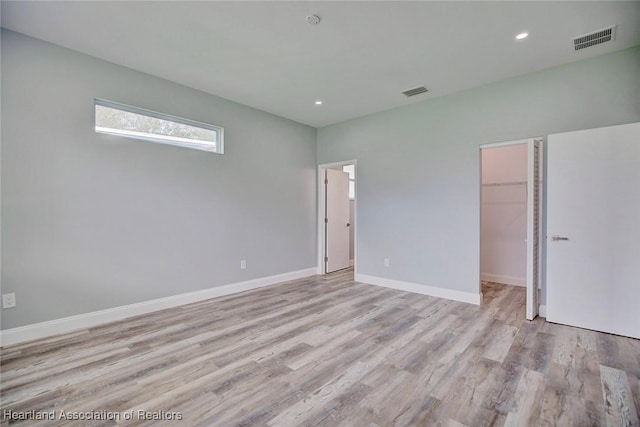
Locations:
321 211
530 310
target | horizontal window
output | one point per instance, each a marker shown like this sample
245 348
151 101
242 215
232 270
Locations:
123 120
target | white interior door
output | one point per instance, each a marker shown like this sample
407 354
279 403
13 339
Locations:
336 220
533 227
593 229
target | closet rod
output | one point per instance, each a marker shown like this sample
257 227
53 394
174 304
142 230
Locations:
501 184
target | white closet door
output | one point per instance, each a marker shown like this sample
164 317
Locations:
593 229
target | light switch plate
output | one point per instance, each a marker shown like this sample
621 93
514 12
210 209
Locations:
9 300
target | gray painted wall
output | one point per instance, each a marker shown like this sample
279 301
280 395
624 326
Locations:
92 221
418 166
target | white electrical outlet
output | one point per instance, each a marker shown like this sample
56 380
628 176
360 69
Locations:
386 262
243 264
9 300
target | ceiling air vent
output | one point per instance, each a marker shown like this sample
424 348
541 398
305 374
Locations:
415 91
594 38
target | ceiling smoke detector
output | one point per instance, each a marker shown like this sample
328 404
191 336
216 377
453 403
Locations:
313 19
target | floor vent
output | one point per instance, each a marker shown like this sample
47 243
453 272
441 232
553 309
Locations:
415 91
597 37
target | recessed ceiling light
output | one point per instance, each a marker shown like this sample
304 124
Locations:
318 102
522 36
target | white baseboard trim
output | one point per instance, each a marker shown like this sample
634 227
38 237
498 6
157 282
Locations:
468 297
87 320
507 280
542 311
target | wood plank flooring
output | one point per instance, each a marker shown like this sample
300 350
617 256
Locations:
328 351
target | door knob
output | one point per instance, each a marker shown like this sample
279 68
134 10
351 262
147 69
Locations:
348 224
556 238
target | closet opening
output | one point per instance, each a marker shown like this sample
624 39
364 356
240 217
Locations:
510 232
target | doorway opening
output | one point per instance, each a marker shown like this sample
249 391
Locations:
337 243
510 218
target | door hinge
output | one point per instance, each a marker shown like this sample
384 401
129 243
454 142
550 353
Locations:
326 181
326 220
326 259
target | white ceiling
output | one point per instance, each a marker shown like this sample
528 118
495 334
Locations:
357 60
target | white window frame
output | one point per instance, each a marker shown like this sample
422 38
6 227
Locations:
217 147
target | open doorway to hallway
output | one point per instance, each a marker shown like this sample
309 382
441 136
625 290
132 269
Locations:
337 216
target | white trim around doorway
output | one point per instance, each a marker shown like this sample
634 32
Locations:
321 211
541 309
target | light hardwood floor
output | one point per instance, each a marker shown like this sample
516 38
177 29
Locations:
329 351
